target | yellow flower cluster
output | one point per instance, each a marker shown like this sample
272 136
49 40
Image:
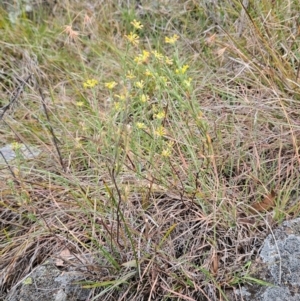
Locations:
157 55
187 82
143 57
172 40
140 84
90 83
168 61
79 103
160 115
110 85
160 131
119 106
16 145
143 79
168 150
140 125
182 70
149 73
133 38
136 24
144 98
130 75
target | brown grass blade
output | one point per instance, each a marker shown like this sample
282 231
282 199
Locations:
267 204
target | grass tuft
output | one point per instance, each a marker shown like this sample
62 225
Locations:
169 140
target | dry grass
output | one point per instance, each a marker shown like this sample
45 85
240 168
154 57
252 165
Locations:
173 217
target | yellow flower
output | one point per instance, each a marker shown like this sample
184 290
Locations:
160 115
171 40
182 70
133 38
118 106
144 98
157 55
154 108
142 58
110 85
140 84
163 79
145 55
166 152
170 144
79 103
160 131
90 83
140 125
149 73
138 59
187 82
136 24
168 61
16 145
130 75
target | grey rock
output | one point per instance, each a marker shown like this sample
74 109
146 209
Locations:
47 283
9 153
279 265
